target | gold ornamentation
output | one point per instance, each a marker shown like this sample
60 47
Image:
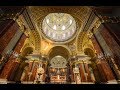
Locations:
79 12
97 24
79 42
21 23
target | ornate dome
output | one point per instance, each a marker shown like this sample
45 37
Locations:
59 26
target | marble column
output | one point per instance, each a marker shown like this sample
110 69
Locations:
114 67
107 70
92 75
82 72
25 74
111 41
88 72
45 69
7 68
28 71
15 66
96 44
34 71
100 67
72 74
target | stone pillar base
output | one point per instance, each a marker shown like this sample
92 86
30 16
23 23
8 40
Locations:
25 82
112 82
87 83
73 82
41 82
3 81
83 83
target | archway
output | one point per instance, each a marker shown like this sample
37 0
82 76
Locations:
58 70
59 50
89 52
26 51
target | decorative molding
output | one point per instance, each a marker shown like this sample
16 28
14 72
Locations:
87 43
96 25
108 19
37 40
79 42
31 30
20 22
39 11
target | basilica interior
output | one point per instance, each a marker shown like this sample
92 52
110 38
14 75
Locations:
60 44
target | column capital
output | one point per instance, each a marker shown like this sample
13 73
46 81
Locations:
96 25
83 57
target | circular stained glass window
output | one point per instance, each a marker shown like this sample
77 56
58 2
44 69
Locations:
59 26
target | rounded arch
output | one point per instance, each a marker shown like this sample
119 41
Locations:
89 52
59 50
27 50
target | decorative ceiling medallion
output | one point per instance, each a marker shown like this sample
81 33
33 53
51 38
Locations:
59 27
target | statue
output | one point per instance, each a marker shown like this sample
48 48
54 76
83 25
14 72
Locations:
39 76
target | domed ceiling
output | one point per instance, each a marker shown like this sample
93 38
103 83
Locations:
59 26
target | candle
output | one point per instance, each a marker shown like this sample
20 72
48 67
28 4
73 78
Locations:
58 76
